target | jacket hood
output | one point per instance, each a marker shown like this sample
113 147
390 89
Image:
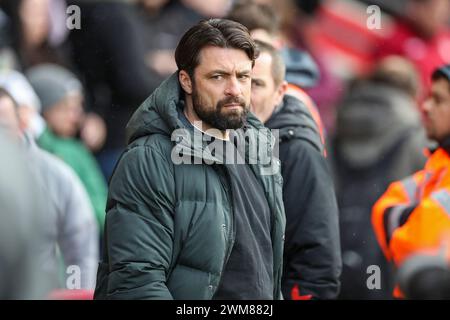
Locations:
301 69
158 114
372 119
294 121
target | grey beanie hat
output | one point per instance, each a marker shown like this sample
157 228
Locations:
52 83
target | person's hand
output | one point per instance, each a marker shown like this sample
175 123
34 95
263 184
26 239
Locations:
93 131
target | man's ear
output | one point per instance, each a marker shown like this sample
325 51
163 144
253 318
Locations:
282 88
185 81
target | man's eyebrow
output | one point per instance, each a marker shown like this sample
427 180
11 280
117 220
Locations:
258 81
218 71
226 73
243 72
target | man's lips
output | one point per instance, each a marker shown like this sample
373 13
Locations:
233 105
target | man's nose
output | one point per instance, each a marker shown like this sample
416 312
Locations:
233 87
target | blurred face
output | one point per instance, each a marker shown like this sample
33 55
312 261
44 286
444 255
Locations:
266 95
65 117
436 111
264 36
35 21
8 116
210 8
219 94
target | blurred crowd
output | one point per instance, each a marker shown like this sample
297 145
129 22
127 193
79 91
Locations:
73 90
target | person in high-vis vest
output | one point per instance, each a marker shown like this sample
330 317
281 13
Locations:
414 214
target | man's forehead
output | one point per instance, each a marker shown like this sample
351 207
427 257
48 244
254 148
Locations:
441 87
263 68
264 61
225 59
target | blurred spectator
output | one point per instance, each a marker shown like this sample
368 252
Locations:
38 34
108 54
398 72
61 98
426 274
8 59
379 139
29 104
312 261
421 35
4 31
413 214
162 23
67 224
208 9
23 207
159 33
38 31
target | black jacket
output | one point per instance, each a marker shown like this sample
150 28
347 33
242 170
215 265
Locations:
312 259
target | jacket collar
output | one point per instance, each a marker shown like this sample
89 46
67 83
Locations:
159 113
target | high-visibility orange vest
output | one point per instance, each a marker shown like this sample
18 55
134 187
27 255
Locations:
414 214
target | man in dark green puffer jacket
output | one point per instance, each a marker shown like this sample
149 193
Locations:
182 221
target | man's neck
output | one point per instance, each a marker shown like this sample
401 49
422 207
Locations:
445 143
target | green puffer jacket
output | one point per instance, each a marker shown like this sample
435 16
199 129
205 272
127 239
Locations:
169 227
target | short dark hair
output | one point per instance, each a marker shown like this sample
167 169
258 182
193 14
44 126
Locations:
220 33
442 72
255 15
278 65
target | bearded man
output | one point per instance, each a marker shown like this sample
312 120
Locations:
212 228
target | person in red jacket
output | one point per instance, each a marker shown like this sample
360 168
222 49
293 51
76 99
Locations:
414 214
